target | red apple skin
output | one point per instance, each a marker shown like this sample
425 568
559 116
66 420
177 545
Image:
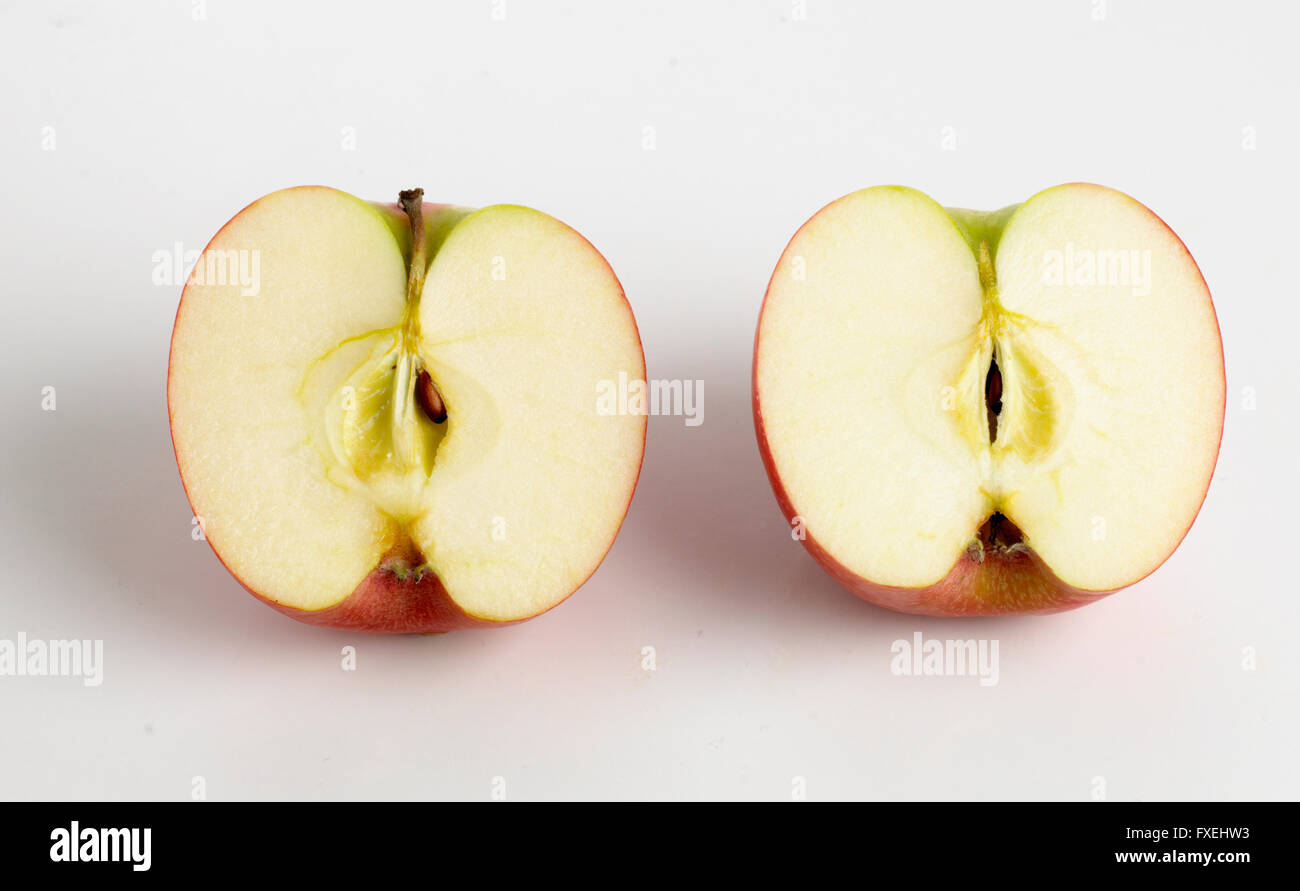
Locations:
383 603
1004 583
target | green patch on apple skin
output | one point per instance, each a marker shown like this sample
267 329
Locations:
980 227
439 220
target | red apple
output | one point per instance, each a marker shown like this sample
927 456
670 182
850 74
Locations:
969 413
394 427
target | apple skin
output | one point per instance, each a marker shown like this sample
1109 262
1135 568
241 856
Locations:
384 603
1004 583
1013 583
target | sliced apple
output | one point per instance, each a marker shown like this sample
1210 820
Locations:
399 431
1007 412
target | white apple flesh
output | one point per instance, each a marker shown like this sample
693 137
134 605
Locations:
973 413
398 432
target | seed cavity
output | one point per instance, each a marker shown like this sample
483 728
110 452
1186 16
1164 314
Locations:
993 397
429 399
385 418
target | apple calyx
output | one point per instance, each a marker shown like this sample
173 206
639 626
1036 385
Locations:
406 563
998 536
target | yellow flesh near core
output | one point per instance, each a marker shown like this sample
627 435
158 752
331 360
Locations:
303 447
875 344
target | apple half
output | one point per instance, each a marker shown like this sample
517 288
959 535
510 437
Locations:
395 428
969 413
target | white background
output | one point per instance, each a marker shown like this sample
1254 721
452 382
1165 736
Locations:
766 670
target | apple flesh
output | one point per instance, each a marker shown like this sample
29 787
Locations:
971 413
398 431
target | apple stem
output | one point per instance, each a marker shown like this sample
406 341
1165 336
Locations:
422 388
412 201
